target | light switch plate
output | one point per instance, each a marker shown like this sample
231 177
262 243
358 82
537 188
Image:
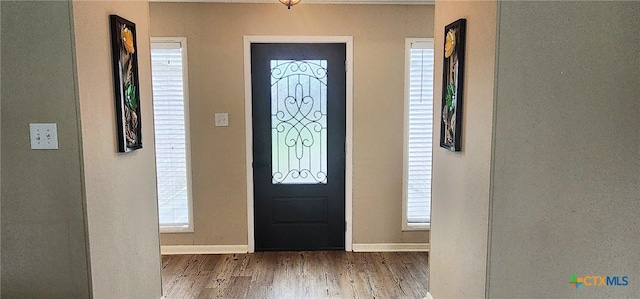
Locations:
222 119
44 136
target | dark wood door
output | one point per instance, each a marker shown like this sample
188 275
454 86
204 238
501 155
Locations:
299 103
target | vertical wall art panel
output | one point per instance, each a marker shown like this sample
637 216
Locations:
452 85
126 85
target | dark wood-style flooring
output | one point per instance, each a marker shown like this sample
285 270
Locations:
282 275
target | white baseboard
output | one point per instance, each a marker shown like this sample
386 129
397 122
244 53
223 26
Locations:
203 249
391 247
428 296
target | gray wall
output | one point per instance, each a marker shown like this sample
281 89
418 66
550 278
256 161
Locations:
43 229
122 206
47 195
216 84
566 179
461 180
0 148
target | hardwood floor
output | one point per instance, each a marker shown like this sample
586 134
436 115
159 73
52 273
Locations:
315 274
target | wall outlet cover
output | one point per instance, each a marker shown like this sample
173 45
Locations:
44 136
222 119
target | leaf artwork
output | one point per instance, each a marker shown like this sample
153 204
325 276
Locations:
132 102
451 89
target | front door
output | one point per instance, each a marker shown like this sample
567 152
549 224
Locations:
299 102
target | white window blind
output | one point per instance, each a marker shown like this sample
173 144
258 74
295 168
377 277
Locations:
170 119
419 132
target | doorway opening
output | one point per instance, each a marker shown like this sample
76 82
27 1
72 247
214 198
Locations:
296 187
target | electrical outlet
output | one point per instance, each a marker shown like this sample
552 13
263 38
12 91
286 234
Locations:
222 119
44 136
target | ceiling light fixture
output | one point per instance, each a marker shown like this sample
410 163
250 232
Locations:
289 3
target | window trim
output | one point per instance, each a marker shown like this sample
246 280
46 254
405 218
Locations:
185 78
405 157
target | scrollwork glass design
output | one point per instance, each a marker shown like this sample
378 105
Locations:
299 121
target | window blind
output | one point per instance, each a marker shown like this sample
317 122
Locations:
170 134
420 132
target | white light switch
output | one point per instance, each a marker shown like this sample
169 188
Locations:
44 136
222 119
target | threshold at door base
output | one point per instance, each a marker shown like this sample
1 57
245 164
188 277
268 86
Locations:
203 249
390 247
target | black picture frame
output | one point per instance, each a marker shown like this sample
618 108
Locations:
452 85
125 84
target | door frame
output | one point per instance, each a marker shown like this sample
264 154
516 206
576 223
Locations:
248 105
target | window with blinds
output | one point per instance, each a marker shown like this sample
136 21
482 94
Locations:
168 65
418 133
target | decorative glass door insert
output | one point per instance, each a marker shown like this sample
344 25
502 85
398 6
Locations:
299 121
